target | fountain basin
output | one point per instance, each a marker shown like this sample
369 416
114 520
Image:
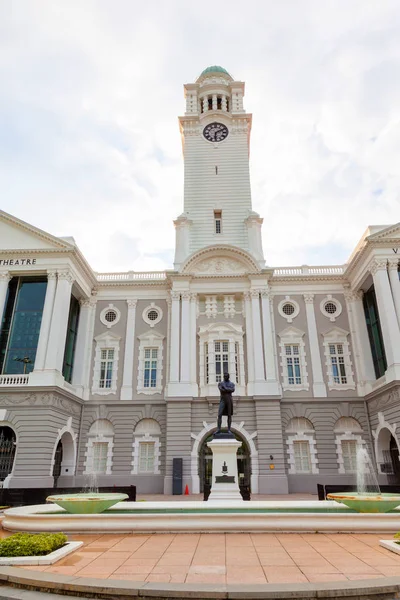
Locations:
86 503
367 503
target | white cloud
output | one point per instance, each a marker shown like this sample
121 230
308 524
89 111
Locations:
89 140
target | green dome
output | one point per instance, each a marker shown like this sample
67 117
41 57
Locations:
214 69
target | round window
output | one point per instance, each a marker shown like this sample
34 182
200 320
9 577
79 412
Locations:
288 309
152 315
330 308
110 316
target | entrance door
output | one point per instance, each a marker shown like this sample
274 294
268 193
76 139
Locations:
394 455
7 451
58 457
243 464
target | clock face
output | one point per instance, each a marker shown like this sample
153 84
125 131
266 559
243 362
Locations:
215 132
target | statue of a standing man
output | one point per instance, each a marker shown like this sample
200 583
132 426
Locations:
226 389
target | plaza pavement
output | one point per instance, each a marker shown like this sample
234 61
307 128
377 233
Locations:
229 558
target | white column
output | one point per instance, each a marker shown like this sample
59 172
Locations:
249 344
46 320
185 338
214 102
127 380
193 344
83 340
395 284
88 363
360 342
319 387
4 280
257 338
269 345
59 322
174 341
205 104
387 317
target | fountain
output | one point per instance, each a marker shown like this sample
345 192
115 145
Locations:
368 498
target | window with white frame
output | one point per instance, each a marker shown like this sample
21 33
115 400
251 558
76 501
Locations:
150 366
218 221
106 364
348 438
221 351
293 359
106 367
302 450
146 448
302 456
99 448
337 359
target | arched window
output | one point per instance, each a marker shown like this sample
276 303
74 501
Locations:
146 448
7 450
302 451
99 448
348 438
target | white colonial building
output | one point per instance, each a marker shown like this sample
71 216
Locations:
117 373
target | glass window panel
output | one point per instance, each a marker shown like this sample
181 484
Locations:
349 452
100 452
146 457
302 456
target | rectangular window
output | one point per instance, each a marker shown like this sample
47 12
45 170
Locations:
106 367
374 332
146 457
237 361
150 367
100 452
221 359
302 457
207 364
337 363
218 221
292 353
349 452
70 343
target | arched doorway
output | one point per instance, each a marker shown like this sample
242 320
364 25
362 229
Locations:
64 457
243 463
8 445
394 457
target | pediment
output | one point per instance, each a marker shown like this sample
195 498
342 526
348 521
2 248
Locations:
151 334
221 261
18 235
107 336
386 233
291 332
220 328
335 333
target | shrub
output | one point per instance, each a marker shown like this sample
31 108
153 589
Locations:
32 544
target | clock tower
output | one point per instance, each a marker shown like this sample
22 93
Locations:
215 134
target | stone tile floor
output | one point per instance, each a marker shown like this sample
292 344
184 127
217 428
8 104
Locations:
230 558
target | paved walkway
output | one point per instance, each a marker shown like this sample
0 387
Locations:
230 558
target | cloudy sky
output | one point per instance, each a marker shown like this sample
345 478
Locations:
89 138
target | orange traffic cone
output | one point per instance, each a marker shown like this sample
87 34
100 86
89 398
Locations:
187 490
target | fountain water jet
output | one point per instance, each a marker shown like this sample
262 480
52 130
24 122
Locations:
368 498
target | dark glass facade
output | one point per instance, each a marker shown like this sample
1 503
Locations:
70 342
374 332
21 324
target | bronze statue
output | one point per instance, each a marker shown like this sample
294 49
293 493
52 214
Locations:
226 389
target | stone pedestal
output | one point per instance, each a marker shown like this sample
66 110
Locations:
225 482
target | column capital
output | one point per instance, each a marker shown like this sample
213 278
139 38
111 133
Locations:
247 295
193 297
5 276
255 293
377 264
308 298
266 294
186 295
66 275
175 295
393 263
132 303
353 295
51 274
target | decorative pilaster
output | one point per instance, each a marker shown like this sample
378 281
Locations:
393 266
387 316
257 338
269 345
249 344
46 320
4 280
205 104
174 340
193 344
224 104
185 338
127 381
59 322
319 387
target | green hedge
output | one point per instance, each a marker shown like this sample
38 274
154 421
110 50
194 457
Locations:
32 544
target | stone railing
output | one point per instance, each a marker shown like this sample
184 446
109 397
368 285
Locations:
306 270
131 276
13 380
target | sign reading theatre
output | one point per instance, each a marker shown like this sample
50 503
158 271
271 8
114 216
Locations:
16 262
